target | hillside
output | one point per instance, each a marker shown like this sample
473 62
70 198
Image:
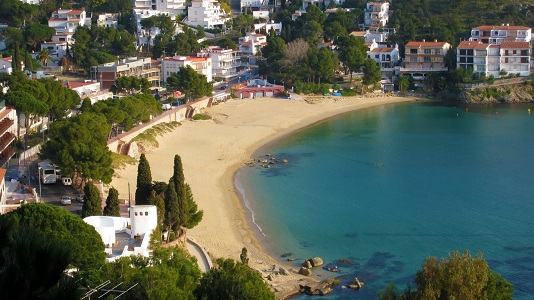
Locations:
452 20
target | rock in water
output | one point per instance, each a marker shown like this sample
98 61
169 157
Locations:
307 264
305 271
317 261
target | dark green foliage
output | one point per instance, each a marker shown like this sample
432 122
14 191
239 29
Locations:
37 33
92 204
16 60
58 224
232 280
172 207
31 262
168 274
193 216
60 99
459 276
129 84
144 181
112 207
201 117
28 61
191 83
159 202
371 72
311 88
243 256
78 145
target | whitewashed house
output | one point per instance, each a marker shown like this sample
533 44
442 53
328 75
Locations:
108 20
171 7
226 63
206 13
67 20
202 65
498 34
89 89
252 43
277 27
376 14
386 58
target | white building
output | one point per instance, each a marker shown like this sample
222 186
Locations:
277 27
252 43
202 65
89 89
67 20
108 20
121 241
422 58
260 14
172 7
63 37
499 34
376 14
386 58
225 62
56 51
492 59
34 2
206 13
5 65
253 4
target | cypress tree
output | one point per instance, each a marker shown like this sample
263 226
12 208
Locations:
15 62
171 206
144 181
92 204
28 63
112 204
192 216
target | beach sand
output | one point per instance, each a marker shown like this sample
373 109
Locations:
213 150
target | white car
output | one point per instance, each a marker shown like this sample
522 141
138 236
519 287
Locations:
65 200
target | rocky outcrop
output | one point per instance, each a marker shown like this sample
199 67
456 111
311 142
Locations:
305 271
320 289
503 93
356 284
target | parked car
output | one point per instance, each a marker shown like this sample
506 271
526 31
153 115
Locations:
66 181
65 200
80 197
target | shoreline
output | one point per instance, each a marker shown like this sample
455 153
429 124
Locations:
216 150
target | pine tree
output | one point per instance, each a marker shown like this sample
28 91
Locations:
92 204
144 181
193 215
112 204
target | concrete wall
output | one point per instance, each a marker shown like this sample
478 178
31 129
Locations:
176 114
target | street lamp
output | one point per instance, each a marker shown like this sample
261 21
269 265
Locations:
39 170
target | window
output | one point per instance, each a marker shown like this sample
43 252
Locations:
470 52
463 51
135 213
413 51
413 59
146 213
524 52
427 51
514 52
427 59
438 51
377 56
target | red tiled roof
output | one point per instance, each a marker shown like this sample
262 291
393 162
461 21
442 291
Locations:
472 45
75 12
187 58
426 44
77 84
383 49
491 27
521 45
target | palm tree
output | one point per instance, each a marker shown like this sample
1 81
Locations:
44 57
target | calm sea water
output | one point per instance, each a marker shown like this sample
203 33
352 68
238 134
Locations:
389 186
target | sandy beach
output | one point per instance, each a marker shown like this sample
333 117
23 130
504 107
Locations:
213 150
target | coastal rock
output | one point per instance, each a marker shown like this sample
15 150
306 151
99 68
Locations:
307 264
305 271
283 271
317 261
322 288
356 284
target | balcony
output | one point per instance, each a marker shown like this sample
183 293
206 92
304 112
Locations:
5 124
6 155
6 139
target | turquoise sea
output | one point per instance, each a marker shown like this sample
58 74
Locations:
389 186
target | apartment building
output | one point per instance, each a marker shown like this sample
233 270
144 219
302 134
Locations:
67 20
495 59
172 7
499 34
206 13
376 14
131 66
226 63
424 57
56 51
8 133
108 20
202 65
88 89
252 43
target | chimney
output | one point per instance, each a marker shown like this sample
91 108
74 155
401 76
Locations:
435 40
423 40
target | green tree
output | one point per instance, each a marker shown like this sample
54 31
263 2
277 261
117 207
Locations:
26 104
144 181
78 145
38 33
92 203
193 216
460 276
59 224
112 207
172 208
371 72
168 274
232 280
16 60
244 256
31 262
61 100
28 61
403 83
44 57
189 82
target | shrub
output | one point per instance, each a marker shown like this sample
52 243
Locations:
201 117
